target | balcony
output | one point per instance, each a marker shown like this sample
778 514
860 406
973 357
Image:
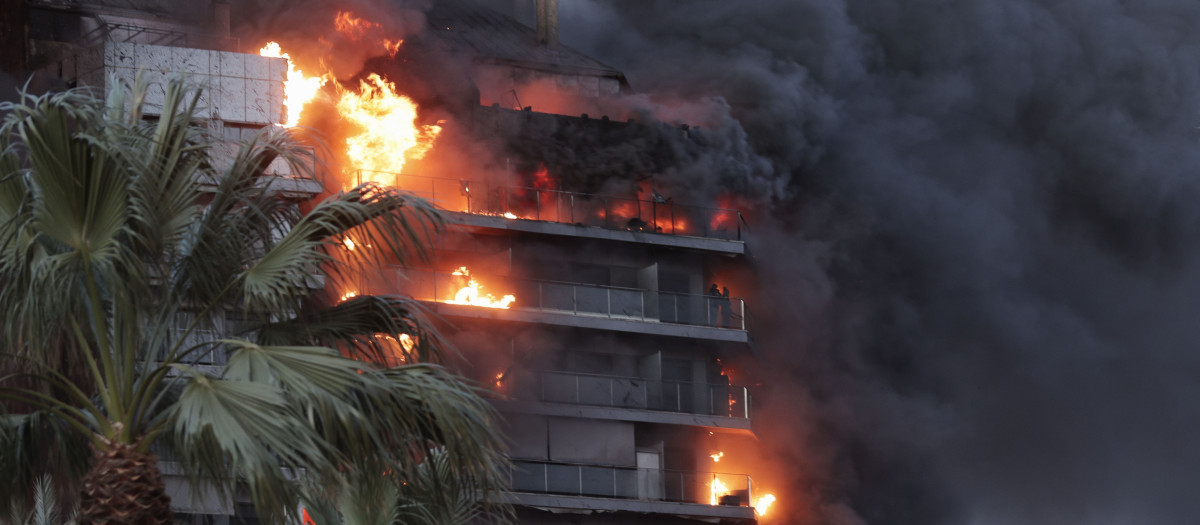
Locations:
586 305
643 394
657 490
507 203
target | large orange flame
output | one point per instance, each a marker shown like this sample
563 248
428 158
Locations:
762 504
387 133
298 89
716 489
469 294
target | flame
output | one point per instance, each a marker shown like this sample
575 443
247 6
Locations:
717 457
356 28
388 133
509 215
353 27
716 489
348 295
500 379
298 89
469 294
762 504
349 244
392 46
407 342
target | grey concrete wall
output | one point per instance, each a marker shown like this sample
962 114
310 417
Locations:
592 442
239 87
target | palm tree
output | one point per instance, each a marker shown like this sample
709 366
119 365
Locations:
154 301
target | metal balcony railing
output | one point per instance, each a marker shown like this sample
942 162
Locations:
645 394
630 483
104 31
586 299
614 213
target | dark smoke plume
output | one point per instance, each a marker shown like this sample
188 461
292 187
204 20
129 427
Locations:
976 244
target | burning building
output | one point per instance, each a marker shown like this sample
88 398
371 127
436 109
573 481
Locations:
592 297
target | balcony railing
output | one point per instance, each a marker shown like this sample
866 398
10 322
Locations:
630 483
644 394
587 299
614 213
140 34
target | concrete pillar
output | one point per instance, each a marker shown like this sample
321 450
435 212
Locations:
547 22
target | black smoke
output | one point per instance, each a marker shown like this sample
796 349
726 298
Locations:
976 238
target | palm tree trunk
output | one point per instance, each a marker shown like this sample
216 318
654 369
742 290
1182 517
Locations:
124 486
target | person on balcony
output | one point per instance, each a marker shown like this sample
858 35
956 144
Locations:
714 304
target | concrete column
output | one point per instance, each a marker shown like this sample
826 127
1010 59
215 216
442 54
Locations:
547 22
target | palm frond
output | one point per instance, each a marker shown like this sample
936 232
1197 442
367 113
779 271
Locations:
36 443
396 223
366 327
230 431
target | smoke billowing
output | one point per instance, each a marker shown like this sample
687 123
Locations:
976 235
974 228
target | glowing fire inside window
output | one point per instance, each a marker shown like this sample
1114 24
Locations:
470 294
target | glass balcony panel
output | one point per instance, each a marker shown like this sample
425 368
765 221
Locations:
563 479
584 299
592 300
631 483
642 394
529 477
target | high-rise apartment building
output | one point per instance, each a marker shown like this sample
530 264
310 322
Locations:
611 364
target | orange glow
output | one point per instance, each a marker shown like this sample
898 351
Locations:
717 457
356 28
716 489
724 217
762 504
353 27
407 342
387 133
392 46
500 379
509 215
348 295
298 89
349 244
469 294
542 179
